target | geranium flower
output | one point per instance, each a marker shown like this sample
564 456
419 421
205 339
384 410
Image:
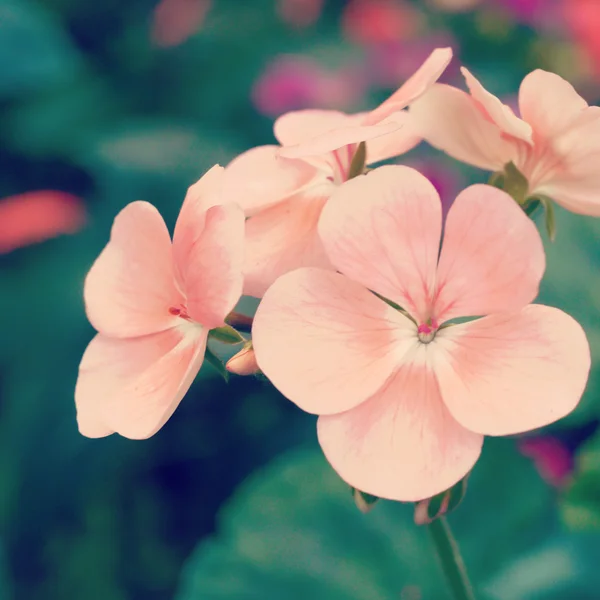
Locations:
406 396
153 303
284 197
555 143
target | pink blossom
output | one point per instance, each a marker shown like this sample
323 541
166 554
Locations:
34 217
153 303
404 397
380 21
177 20
300 13
283 197
582 19
552 458
295 82
555 143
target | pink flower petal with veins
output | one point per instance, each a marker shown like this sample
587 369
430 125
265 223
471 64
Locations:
132 386
132 283
383 230
326 342
281 239
492 258
510 373
402 443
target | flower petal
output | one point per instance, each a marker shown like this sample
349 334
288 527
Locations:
492 257
396 143
414 87
260 178
449 120
131 286
510 373
301 126
326 342
133 386
212 275
281 239
338 138
501 114
548 103
383 230
401 444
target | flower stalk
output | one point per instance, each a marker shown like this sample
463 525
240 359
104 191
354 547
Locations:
451 560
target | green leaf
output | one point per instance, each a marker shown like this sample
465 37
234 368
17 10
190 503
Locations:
292 532
214 361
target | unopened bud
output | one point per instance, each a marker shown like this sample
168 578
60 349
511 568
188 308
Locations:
244 362
364 502
441 504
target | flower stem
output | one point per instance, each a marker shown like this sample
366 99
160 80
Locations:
451 560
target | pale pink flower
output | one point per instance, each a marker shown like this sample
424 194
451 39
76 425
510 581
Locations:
153 303
37 216
405 398
555 143
284 197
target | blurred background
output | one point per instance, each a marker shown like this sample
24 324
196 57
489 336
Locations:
103 103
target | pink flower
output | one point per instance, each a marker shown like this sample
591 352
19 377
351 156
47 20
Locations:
283 198
300 13
34 217
555 143
177 20
552 458
153 303
296 82
405 398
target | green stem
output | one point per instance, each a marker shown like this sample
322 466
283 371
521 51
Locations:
451 560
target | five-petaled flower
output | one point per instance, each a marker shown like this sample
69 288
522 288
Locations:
555 143
283 189
406 395
153 303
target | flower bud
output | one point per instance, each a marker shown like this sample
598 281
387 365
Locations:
244 362
441 504
364 502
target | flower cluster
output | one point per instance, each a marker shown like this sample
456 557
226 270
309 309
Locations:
412 335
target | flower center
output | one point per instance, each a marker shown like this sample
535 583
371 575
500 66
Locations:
426 331
180 311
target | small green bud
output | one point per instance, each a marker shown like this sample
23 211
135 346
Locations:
441 504
364 502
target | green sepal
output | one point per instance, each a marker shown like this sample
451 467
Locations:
550 216
227 335
364 502
359 161
515 183
497 180
441 504
215 362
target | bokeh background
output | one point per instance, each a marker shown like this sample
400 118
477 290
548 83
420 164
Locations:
103 103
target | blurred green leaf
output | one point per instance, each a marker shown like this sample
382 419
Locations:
292 531
35 52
